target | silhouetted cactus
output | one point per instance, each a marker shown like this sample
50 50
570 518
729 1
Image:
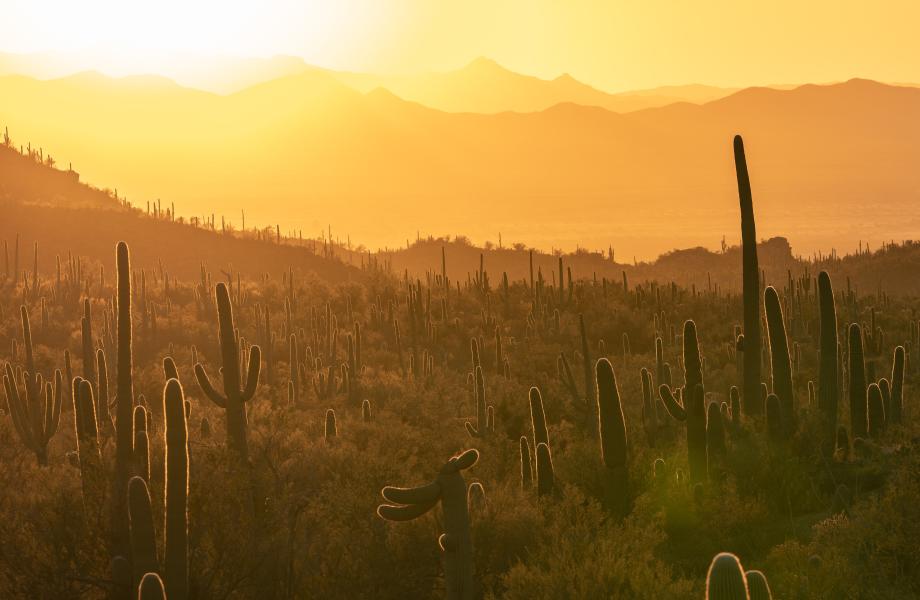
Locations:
693 410
92 476
779 359
751 281
774 420
124 398
143 539
828 386
236 391
589 376
330 429
526 464
481 429
538 418
614 444
876 411
36 412
366 411
726 579
857 388
897 386
151 588
715 432
176 494
546 474
758 588
449 488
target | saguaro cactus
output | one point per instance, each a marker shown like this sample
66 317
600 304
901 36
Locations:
726 579
526 465
546 473
124 398
449 488
92 475
827 370
236 392
538 418
151 588
897 386
482 427
35 417
779 359
693 410
751 284
614 444
143 539
859 426
176 496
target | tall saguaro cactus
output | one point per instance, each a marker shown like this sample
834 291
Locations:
236 392
176 496
612 429
124 398
828 390
857 389
448 488
751 284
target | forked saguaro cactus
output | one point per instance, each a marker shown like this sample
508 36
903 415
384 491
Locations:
483 426
448 488
693 410
236 391
35 417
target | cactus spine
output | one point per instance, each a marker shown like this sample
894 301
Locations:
751 283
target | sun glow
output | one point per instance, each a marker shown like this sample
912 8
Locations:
122 38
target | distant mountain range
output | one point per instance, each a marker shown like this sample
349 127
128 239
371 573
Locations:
830 164
482 86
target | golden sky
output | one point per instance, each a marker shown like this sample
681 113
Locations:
615 45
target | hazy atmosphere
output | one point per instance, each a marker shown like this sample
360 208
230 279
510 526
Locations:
402 299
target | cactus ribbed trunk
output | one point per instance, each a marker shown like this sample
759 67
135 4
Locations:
779 359
856 388
751 285
176 496
828 390
614 445
124 409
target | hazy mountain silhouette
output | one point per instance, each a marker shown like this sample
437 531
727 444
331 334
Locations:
307 150
484 86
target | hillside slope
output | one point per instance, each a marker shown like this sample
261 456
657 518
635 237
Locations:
51 207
